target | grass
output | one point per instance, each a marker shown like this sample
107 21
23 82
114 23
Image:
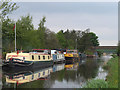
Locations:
112 77
98 83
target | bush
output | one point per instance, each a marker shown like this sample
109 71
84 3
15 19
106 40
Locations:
114 55
88 52
98 83
99 53
105 67
4 55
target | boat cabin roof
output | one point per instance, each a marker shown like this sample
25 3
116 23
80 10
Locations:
46 51
40 49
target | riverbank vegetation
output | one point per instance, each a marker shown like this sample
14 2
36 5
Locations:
98 83
112 77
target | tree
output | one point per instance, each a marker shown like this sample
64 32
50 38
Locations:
6 24
86 40
51 41
61 39
118 49
6 8
41 32
23 27
7 35
93 39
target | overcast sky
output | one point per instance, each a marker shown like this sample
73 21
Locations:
101 18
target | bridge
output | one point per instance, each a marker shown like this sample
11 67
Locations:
106 49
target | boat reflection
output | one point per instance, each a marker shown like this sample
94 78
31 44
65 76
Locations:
49 77
73 66
28 76
58 67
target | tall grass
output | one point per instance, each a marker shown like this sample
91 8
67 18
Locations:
98 83
112 67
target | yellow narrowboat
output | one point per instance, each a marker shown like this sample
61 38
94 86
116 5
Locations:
71 56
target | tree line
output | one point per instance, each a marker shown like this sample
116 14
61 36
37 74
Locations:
29 38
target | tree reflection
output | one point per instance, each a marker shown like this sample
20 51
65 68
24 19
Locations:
89 69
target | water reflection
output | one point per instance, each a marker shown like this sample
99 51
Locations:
75 75
22 77
63 75
88 69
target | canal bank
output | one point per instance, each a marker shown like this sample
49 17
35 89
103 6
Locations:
112 77
111 80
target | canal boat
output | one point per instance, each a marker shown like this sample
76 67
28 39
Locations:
57 56
36 58
71 56
28 76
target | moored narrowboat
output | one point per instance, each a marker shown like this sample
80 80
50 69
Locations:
36 58
57 56
71 56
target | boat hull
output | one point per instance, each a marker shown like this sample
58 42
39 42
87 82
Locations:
30 64
70 60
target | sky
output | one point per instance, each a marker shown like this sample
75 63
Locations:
100 17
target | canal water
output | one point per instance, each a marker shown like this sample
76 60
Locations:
62 75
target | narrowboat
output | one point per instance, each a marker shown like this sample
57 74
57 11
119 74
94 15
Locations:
57 56
36 58
71 56
28 76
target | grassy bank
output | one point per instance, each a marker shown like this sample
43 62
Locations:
112 77
98 83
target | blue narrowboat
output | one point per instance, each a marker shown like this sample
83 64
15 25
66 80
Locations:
57 56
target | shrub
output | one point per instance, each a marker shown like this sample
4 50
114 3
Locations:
114 55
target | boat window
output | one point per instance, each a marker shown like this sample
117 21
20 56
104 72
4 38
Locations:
43 57
32 57
32 76
44 73
39 57
48 71
39 75
23 58
48 57
71 51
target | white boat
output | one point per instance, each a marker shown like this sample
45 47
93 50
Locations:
36 58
